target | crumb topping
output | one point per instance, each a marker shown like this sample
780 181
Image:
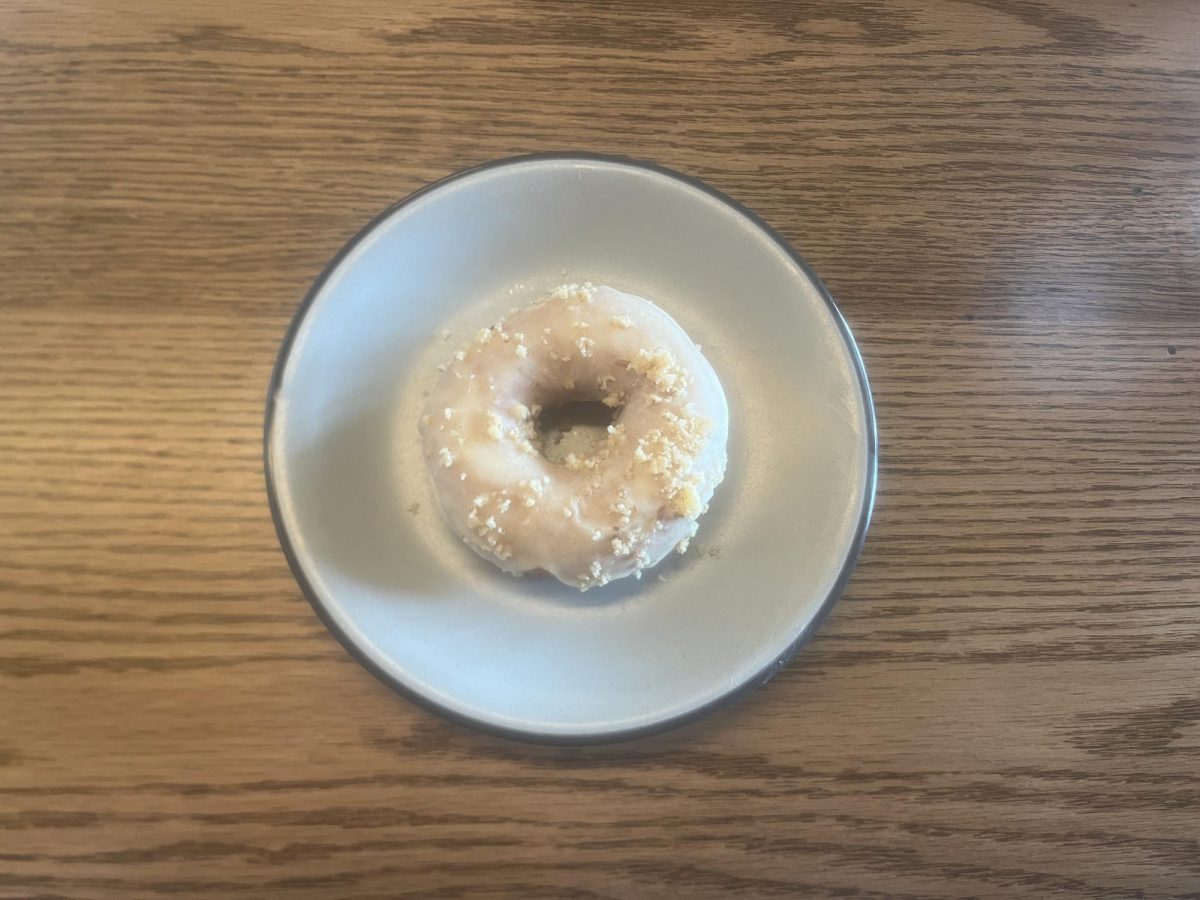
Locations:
574 294
686 502
669 454
661 370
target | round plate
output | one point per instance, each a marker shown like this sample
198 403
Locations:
528 657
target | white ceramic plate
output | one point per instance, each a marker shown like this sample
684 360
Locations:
530 658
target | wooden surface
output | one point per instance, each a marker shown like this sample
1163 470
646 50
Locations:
1004 197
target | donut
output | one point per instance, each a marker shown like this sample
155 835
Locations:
532 500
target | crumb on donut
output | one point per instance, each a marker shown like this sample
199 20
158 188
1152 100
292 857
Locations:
577 463
574 293
595 576
585 346
446 457
669 454
661 370
522 351
495 429
622 321
683 545
686 502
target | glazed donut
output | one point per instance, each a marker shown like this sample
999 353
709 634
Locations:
583 515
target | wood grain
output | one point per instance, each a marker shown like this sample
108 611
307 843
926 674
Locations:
1005 198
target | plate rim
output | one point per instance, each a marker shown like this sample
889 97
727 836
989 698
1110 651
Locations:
734 693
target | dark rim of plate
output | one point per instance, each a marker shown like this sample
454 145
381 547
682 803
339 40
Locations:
759 678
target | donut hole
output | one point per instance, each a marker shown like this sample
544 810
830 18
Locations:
573 426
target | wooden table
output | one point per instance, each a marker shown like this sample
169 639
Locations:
1005 198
